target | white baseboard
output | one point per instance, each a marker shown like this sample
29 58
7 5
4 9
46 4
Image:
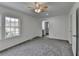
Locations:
5 44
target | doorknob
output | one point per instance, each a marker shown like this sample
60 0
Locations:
74 35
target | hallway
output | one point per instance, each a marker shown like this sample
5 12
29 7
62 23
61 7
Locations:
40 47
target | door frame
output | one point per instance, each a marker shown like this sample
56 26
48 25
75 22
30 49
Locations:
77 31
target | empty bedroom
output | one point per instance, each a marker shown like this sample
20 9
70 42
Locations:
39 28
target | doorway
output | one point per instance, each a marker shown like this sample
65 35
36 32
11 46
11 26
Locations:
45 28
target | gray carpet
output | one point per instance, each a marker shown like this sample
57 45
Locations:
40 47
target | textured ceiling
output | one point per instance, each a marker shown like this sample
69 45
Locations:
54 8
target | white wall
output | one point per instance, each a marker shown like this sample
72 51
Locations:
31 27
58 27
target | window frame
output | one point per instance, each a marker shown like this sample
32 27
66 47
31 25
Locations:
3 26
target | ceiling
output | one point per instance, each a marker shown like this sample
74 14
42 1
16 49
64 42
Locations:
54 8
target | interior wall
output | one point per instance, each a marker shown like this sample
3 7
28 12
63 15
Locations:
58 27
31 27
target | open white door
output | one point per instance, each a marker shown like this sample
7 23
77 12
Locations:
74 36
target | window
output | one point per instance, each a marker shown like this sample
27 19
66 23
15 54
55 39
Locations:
12 27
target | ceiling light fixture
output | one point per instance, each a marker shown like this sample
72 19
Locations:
39 7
